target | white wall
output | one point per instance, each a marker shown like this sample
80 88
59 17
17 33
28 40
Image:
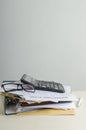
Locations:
44 38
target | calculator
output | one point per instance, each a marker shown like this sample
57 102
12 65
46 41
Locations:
43 85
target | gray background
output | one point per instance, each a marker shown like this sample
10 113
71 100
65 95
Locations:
45 39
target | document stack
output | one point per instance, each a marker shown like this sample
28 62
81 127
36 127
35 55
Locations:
25 97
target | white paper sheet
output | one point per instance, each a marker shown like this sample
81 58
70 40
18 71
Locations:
64 106
47 95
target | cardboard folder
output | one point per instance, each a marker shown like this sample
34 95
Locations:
48 112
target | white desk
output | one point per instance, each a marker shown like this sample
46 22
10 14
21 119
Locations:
77 122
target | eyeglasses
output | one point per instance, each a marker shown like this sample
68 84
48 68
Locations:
16 86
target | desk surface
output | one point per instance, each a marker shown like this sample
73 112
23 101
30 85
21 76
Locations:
76 122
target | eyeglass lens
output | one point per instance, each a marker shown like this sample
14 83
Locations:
28 87
11 87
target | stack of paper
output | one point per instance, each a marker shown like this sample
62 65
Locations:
42 103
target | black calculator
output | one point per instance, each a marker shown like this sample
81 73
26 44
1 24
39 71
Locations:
43 85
